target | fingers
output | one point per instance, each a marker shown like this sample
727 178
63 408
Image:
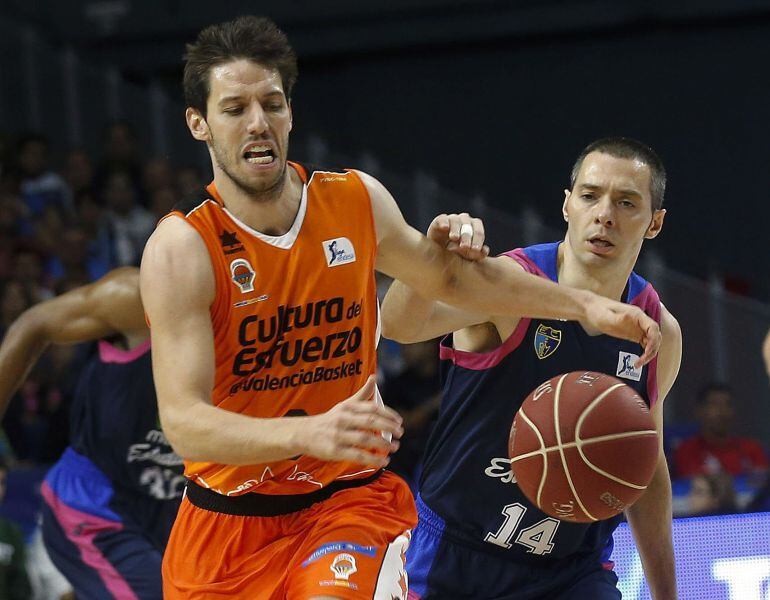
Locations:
651 342
466 236
438 231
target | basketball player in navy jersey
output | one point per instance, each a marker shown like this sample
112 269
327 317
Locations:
478 536
111 499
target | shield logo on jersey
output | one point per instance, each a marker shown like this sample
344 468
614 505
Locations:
243 275
547 340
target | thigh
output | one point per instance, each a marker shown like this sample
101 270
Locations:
214 556
101 558
355 544
598 584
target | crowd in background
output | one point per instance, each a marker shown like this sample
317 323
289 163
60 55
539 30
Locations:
67 220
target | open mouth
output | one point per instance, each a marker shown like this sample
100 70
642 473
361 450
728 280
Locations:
599 245
259 155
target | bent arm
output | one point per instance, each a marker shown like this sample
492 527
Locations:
107 307
183 361
650 518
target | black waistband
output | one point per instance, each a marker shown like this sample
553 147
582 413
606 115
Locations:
266 505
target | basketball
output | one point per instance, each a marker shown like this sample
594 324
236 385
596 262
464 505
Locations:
583 446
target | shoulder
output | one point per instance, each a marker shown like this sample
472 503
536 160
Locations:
175 259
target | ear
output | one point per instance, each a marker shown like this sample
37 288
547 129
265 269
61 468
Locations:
197 125
656 224
564 211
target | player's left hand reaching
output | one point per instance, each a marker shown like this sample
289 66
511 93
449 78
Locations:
461 234
626 322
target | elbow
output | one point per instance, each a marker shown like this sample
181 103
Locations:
179 434
403 330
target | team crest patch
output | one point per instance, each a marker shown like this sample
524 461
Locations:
547 340
243 275
339 251
626 368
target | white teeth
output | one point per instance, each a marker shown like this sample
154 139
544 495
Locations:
260 160
258 149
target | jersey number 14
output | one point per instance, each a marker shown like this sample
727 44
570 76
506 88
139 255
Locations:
538 539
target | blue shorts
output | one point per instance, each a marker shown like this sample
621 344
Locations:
101 551
440 567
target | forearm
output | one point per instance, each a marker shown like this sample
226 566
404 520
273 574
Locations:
491 287
650 521
405 313
205 433
21 347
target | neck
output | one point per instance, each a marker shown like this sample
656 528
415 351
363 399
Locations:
271 212
608 281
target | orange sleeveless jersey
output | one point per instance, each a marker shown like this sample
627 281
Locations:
295 322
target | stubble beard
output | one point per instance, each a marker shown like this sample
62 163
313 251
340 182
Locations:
268 191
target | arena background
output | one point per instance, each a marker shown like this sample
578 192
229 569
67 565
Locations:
474 105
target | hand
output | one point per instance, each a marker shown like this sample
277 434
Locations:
626 322
467 242
353 430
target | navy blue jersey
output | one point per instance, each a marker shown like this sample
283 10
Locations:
467 480
114 423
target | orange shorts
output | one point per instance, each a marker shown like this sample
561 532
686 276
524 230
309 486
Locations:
351 545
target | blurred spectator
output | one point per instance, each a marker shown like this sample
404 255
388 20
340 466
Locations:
156 174
711 494
130 224
162 201
190 181
14 300
14 582
415 393
92 218
40 187
716 449
28 271
120 149
73 260
78 171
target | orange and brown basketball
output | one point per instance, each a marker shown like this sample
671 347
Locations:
583 446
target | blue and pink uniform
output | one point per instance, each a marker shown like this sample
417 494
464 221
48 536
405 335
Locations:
111 499
478 535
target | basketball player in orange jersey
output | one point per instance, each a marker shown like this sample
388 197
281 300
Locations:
264 322
473 517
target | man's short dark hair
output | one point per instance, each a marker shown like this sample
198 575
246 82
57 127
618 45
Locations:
253 38
622 147
710 388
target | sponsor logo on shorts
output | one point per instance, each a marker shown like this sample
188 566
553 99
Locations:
340 547
343 566
339 251
626 368
243 275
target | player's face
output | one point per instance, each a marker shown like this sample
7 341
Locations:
609 211
247 125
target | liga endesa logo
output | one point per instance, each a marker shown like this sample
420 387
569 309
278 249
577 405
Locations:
279 340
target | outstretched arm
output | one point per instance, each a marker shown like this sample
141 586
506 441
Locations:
650 517
107 307
494 286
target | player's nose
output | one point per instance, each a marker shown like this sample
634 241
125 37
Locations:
257 121
605 211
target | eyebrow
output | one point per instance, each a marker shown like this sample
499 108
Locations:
624 191
237 97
